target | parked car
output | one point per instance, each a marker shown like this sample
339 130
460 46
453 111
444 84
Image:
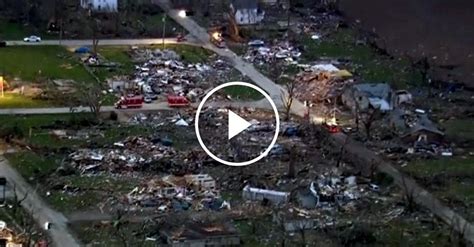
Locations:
3 43
32 38
152 96
256 42
147 100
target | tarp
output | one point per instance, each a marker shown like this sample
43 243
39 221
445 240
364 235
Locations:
181 122
324 67
82 50
343 73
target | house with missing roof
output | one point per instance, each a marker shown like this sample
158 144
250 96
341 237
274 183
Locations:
415 127
374 95
247 12
200 234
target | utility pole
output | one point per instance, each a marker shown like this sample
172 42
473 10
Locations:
60 31
164 30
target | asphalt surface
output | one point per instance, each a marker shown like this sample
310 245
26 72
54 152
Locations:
102 42
36 207
61 110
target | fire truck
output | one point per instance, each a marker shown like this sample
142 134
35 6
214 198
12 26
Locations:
177 101
129 102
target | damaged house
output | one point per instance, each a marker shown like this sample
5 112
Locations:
247 12
256 194
374 95
201 182
201 234
415 127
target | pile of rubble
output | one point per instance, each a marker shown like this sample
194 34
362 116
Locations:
320 82
260 54
178 193
330 191
157 120
163 72
130 155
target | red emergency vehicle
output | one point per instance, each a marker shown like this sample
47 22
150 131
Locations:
180 38
130 102
177 101
332 128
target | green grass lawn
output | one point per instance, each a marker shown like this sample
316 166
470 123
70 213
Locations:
450 166
12 31
92 190
401 233
16 31
31 165
32 62
459 129
13 100
369 65
242 93
189 53
115 54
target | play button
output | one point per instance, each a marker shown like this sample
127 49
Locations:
236 124
248 135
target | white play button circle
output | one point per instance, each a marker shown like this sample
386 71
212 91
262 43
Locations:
237 125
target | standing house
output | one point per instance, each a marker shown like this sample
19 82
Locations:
100 5
247 12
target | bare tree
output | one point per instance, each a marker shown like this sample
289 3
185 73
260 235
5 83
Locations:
292 162
119 231
90 94
342 151
368 118
95 28
408 194
288 97
17 201
356 110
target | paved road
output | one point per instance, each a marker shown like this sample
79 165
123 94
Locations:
60 110
40 211
102 42
160 106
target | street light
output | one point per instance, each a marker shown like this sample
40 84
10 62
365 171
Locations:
182 13
163 19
